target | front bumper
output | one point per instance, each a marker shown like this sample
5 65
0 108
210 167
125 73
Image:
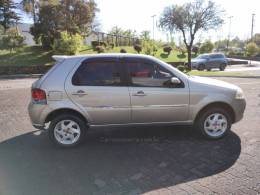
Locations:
239 106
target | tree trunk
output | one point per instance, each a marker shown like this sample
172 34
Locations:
189 57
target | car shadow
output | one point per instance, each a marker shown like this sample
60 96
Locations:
116 161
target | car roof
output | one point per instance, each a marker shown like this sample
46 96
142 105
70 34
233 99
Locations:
63 57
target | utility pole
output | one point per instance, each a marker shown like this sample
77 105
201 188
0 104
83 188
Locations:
229 31
153 25
252 27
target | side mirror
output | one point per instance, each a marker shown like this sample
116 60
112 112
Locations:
175 80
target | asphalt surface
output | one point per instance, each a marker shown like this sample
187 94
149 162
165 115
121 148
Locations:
159 160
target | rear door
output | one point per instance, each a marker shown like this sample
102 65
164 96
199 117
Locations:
98 86
153 98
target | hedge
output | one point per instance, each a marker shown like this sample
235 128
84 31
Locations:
11 70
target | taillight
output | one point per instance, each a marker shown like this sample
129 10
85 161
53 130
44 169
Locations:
39 96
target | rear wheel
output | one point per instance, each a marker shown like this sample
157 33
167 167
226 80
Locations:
214 123
67 130
201 67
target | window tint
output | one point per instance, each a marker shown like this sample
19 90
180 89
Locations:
217 56
148 75
98 73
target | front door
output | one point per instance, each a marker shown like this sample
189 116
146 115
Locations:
97 86
153 97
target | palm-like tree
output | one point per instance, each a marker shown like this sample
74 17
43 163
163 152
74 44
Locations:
29 6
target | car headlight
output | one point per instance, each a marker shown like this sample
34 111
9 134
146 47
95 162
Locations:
240 94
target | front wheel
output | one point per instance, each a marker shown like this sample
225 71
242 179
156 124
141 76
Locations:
201 67
67 130
214 123
222 67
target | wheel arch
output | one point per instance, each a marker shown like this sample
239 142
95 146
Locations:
219 104
57 112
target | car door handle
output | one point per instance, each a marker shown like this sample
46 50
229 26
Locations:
139 93
80 93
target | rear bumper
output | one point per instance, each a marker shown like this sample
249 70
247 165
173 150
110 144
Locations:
239 107
38 114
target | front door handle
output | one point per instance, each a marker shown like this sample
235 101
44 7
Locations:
80 93
139 93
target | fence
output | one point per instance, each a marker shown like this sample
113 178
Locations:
116 39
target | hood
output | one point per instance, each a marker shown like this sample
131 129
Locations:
213 83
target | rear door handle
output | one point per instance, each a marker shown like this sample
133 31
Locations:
139 93
80 93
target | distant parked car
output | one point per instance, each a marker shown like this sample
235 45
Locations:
209 61
82 92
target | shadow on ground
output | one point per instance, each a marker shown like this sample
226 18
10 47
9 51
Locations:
129 160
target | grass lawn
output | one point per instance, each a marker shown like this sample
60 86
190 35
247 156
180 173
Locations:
212 73
36 56
26 56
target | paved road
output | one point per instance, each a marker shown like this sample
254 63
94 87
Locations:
163 160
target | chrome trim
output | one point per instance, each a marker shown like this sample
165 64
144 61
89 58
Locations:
151 123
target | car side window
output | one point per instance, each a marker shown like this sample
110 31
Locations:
144 74
97 73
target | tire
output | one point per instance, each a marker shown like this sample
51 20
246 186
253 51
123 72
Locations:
208 69
207 130
222 67
68 126
201 67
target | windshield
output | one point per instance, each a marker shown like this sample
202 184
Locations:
203 56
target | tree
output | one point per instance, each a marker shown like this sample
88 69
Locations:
207 47
8 16
190 18
116 31
251 49
55 16
29 6
12 39
145 35
257 39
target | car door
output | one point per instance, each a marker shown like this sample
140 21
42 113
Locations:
97 86
153 98
210 62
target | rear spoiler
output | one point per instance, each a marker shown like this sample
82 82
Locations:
59 58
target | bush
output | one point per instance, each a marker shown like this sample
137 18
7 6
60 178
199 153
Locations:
67 44
181 68
123 51
94 44
11 40
207 47
167 49
100 49
138 48
251 49
112 45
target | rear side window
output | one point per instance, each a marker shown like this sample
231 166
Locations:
98 73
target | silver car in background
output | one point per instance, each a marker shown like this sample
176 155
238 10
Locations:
82 92
209 61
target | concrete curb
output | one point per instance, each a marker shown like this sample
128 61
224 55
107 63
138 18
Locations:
230 76
21 76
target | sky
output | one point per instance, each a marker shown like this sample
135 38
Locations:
136 15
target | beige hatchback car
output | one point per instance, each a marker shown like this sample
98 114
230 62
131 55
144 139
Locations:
81 92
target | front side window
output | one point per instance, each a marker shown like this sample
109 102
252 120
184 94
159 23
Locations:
144 74
97 73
